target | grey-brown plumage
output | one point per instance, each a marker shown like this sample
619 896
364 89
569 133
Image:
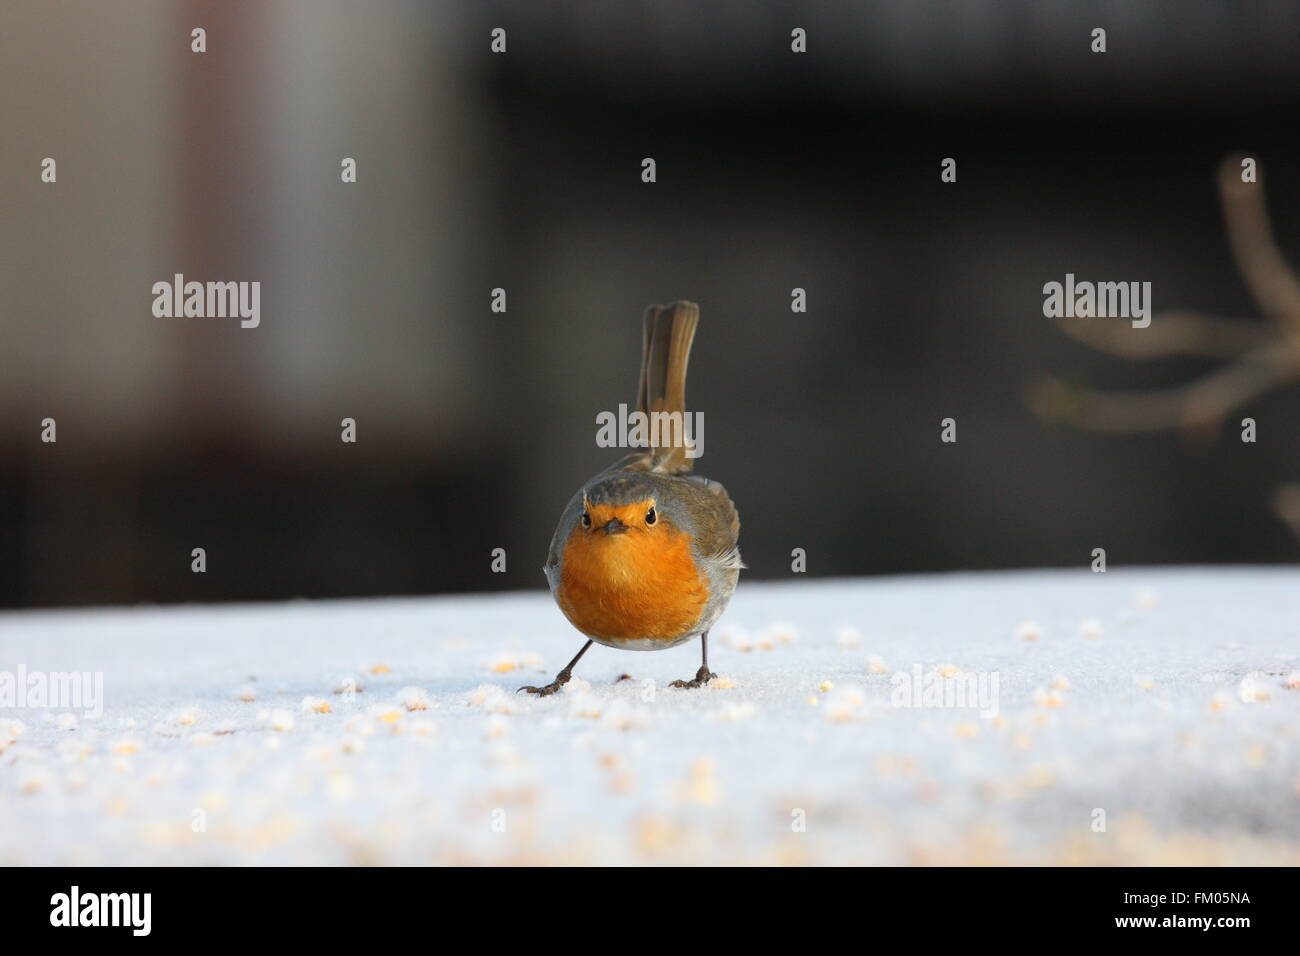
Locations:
605 575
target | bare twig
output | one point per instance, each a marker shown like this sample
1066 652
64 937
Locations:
1196 406
1271 282
1170 333
1286 502
1260 355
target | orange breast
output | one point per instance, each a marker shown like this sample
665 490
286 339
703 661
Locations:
631 586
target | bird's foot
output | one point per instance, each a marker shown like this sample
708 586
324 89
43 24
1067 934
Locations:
561 679
702 677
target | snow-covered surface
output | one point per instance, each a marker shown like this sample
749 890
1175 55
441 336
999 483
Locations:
1157 696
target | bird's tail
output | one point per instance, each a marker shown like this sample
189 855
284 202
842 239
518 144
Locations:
665 351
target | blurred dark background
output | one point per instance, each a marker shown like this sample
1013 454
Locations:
522 171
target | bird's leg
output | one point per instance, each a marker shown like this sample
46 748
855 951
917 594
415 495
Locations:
703 675
561 678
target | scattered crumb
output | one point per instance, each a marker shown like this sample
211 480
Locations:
620 715
281 720
845 704
825 685
783 633
1039 777
508 661
876 665
1028 631
413 698
848 637
74 750
736 711
1047 698
1146 598
375 670
315 705
1090 629
701 785
1252 690
247 694
584 706
493 699
33 780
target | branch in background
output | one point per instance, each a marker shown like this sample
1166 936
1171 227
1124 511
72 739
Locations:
1286 502
1170 334
1197 406
1271 282
1260 356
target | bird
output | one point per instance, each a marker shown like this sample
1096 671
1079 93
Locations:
646 554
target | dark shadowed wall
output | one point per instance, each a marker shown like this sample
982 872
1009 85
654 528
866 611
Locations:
522 171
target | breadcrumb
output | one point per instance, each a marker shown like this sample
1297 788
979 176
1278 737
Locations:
1146 598
1028 631
1045 698
848 637
347 686
845 704
413 698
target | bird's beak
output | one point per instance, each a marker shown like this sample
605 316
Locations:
614 526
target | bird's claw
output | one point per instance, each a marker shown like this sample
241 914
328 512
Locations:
549 689
702 677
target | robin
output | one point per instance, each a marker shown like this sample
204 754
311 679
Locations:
645 555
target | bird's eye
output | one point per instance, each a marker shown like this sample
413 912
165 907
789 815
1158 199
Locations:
586 520
651 517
